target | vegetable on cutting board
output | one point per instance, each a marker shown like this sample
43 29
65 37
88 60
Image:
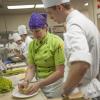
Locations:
14 72
5 85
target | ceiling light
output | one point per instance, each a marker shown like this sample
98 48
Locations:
39 6
86 4
20 7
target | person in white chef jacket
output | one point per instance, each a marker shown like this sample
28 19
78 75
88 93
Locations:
11 45
82 47
10 49
20 45
26 39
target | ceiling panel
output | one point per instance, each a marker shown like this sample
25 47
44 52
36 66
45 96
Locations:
78 4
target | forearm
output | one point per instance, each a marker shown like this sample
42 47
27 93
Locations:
52 78
76 73
30 72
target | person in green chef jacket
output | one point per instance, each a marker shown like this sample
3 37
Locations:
45 59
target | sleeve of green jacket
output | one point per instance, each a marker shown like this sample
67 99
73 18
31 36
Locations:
30 58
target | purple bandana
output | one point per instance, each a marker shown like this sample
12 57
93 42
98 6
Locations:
38 20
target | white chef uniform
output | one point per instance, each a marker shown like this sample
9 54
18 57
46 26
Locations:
82 43
22 30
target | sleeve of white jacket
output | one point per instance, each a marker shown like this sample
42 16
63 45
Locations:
79 49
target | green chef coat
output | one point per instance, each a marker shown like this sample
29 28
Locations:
46 54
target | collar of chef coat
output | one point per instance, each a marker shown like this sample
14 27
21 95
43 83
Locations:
44 39
71 14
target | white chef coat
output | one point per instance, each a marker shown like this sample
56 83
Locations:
82 43
11 46
2 66
21 47
26 45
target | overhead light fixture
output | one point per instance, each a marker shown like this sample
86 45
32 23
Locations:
20 7
86 4
39 6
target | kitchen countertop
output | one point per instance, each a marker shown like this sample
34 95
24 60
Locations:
15 79
56 99
8 96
